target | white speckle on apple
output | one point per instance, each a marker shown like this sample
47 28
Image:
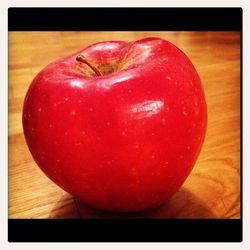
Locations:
91 109
169 78
196 103
108 123
66 133
40 109
181 156
176 83
66 99
163 120
32 129
57 160
167 108
153 156
191 83
80 101
29 115
182 102
184 112
50 125
165 164
182 69
54 104
123 133
188 147
137 146
153 134
83 133
196 112
73 112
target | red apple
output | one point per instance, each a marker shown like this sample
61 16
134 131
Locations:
118 124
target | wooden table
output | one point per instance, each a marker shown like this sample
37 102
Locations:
213 188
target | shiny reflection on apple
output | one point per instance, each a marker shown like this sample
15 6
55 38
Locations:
146 109
77 84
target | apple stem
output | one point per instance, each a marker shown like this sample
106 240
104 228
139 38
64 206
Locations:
82 59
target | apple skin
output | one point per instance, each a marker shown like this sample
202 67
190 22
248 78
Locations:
126 140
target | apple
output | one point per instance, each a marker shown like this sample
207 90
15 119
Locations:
118 124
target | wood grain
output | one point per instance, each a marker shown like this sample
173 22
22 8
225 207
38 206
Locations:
213 188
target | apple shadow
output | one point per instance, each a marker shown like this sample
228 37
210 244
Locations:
64 208
181 205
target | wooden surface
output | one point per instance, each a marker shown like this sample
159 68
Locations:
213 188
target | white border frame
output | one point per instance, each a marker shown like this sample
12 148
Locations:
4 244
